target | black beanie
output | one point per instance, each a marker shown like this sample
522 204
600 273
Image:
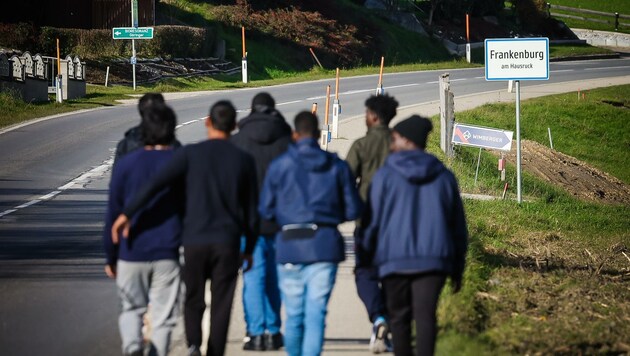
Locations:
415 129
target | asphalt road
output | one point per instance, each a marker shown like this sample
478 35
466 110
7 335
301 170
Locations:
55 298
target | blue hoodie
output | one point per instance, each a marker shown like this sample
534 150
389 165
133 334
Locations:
309 185
415 220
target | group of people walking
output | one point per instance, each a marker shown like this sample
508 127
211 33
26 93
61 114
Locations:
268 200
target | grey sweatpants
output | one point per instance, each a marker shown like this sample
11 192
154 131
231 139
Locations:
138 284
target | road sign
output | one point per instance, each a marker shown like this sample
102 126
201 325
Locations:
477 136
132 33
517 59
133 60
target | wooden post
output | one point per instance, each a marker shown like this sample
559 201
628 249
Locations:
326 108
337 86
314 108
467 28
316 59
243 33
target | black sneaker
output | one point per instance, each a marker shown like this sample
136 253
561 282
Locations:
274 341
255 343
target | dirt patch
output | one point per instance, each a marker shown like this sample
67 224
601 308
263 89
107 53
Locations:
576 177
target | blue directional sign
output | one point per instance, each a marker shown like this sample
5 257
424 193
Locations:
477 136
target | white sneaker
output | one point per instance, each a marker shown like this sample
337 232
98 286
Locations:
379 341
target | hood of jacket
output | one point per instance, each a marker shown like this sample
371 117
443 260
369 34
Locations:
264 127
416 166
307 153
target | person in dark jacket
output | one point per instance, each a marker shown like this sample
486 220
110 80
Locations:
365 157
146 267
415 232
265 135
134 137
308 192
221 206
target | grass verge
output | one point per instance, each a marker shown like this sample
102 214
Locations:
548 276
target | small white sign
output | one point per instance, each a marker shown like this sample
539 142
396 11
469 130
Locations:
517 59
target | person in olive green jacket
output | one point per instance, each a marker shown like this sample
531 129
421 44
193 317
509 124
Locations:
365 157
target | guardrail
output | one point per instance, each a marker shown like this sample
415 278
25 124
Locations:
615 21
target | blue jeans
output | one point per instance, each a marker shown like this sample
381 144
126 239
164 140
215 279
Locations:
306 289
261 296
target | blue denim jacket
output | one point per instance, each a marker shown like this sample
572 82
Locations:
309 185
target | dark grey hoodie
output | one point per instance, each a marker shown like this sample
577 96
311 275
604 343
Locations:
265 135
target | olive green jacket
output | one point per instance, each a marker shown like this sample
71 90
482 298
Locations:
367 155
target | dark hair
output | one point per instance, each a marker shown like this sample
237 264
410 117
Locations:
158 125
149 99
384 106
306 124
223 116
262 102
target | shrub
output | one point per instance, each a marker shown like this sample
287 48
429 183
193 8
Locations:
174 41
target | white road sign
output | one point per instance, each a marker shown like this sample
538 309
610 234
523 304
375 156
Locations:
517 59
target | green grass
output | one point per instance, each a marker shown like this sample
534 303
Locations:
13 110
532 283
611 6
599 118
620 6
556 51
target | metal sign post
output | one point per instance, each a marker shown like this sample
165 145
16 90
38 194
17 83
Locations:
517 59
134 24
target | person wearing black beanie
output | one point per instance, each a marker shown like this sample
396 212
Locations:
415 129
416 234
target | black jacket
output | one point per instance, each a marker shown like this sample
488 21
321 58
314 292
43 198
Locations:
265 135
220 190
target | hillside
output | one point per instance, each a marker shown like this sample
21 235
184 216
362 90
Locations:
341 33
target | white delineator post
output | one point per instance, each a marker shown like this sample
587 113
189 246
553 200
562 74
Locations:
59 92
336 109
244 62
325 134
468 55
379 87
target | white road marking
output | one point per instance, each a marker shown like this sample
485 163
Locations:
78 183
562 70
606 68
290 102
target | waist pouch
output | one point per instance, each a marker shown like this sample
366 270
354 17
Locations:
299 231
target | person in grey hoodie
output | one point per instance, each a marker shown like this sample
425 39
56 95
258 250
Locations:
415 234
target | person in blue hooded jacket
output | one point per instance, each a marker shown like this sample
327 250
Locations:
415 233
308 192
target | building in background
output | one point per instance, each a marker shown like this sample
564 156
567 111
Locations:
86 14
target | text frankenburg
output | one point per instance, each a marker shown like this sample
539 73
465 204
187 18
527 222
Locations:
517 54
